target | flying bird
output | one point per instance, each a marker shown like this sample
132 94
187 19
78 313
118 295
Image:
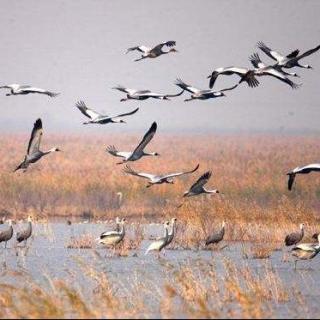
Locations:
157 179
301 170
201 94
294 237
262 69
246 75
289 61
34 153
98 118
138 152
154 52
198 187
17 89
144 94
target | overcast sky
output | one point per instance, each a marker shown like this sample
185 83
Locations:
77 48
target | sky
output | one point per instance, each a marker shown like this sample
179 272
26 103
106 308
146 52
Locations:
77 48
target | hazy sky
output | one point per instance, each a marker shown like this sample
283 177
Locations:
77 48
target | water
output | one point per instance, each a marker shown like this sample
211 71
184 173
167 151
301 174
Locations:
47 256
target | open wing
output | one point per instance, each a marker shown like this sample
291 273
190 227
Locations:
35 139
180 173
256 61
293 54
161 45
291 180
269 52
281 76
113 151
126 114
129 170
201 181
142 49
87 111
28 89
175 95
185 86
227 89
147 138
307 53
124 89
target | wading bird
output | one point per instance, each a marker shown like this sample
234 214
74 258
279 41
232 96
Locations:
172 232
97 118
17 89
157 179
246 75
138 152
305 251
301 170
198 187
289 61
262 69
25 234
34 153
161 243
216 237
154 52
6 235
294 237
112 238
144 94
201 94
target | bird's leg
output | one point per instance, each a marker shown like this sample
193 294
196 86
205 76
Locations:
5 245
142 57
295 264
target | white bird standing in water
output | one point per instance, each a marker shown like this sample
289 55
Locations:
161 243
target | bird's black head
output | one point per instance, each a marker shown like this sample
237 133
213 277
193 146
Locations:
122 121
309 67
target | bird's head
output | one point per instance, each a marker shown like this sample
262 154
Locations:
296 75
122 121
156 154
301 226
57 149
173 220
186 194
170 180
123 220
223 224
123 99
29 219
209 76
222 94
309 67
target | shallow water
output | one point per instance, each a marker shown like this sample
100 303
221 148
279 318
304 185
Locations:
47 256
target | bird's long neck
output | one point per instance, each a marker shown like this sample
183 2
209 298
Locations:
49 151
122 230
210 191
148 153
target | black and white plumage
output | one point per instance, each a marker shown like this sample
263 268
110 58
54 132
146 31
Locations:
6 235
198 187
138 152
161 243
17 89
97 118
155 51
262 69
245 74
144 94
201 94
216 237
25 234
314 167
294 237
157 179
306 251
34 153
289 61
112 238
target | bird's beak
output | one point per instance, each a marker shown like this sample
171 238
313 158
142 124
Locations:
208 77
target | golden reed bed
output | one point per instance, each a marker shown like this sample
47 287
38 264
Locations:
250 171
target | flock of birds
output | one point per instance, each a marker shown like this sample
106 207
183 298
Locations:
275 70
